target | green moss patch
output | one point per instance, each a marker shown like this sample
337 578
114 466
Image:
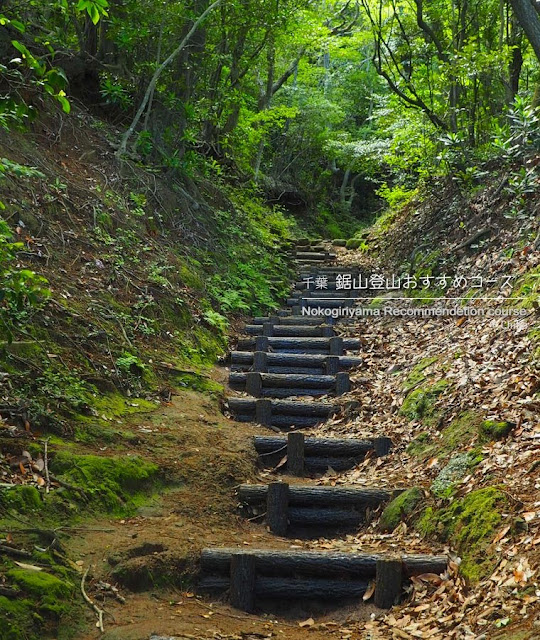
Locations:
469 524
420 403
400 508
494 430
110 484
457 434
417 375
21 498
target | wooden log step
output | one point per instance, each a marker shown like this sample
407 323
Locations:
324 303
318 563
284 385
325 518
330 447
328 270
288 320
283 588
314 256
326 294
331 346
292 360
283 421
290 331
278 588
284 407
312 496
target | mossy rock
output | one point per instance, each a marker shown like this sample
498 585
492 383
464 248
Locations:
15 618
21 498
457 468
420 445
353 243
111 484
419 404
339 242
399 508
469 524
494 430
51 595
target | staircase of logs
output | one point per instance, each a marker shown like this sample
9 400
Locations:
290 355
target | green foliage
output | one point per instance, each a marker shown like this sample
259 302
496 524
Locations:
23 292
495 430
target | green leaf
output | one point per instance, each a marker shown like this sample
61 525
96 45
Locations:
64 102
93 13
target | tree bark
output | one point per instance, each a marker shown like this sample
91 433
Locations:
529 19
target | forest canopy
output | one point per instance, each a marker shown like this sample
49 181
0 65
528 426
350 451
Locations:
300 99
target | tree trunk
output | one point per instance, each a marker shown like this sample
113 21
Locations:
529 19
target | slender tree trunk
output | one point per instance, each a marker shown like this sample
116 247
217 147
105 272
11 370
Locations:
153 82
529 19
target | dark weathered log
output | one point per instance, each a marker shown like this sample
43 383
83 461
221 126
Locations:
296 422
324 303
317 446
295 454
311 255
242 581
292 331
252 382
321 465
285 380
263 412
291 320
389 582
325 294
293 360
260 361
322 345
300 495
277 507
284 407
282 588
320 563
306 517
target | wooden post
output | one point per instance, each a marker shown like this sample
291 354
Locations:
343 383
327 331
274 319
277 507
243 575
261 343
268 329
388 581
332 365
336 346
296 310
263 412
382 446
254 384
295 453
260 362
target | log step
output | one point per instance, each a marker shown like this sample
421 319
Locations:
248 575
319 447
283 385
330 346
317 496
291 362
290 331
314 256
281 413
318 563
288 320
286 588
324 303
